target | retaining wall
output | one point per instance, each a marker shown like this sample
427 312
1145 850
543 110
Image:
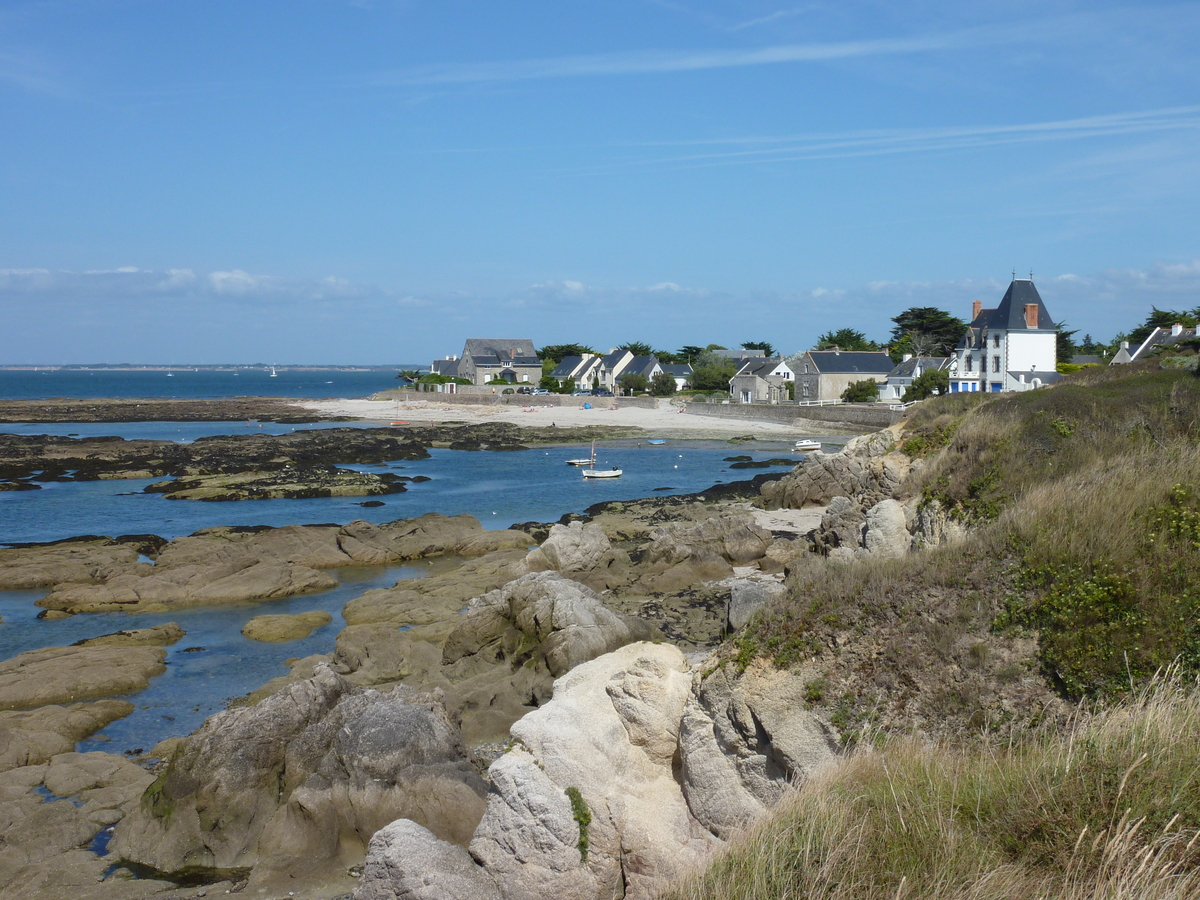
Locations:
843 414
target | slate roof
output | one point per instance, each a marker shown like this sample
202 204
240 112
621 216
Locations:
1010 314
611 360
567 367
760 367
906 368
489 351
447 367
641 365
1162 337
867 362
678 370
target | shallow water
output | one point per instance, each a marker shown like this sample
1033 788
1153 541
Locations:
210 665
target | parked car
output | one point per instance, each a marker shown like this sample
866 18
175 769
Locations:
601 393
581 394
540 391
524 390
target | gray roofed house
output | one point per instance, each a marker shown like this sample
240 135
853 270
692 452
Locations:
646 366
761 379
681 372
447 367
1013 347
1158 339
612 367
825 374
911 367
580 369
486 359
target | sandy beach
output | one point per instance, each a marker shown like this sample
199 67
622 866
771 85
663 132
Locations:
666 421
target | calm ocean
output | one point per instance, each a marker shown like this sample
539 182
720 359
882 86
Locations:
190 383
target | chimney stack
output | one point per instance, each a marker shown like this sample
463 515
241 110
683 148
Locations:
1031 315
976 309
1176 330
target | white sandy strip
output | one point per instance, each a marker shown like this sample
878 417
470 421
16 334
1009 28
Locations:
666 421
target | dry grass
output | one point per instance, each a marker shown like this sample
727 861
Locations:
1108 809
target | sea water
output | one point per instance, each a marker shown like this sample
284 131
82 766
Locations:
214 662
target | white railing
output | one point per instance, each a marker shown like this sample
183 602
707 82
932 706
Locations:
819 402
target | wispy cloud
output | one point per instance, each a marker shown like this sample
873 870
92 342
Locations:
675 61
772 17
839 145
30 74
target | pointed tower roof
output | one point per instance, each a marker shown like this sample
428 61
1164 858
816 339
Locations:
1010 315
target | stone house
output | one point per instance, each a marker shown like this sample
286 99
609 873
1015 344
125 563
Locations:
514 360
761 380
825 374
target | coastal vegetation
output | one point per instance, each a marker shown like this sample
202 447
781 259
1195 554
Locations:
1076 576
1107 807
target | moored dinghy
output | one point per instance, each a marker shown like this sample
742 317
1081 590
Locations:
593 472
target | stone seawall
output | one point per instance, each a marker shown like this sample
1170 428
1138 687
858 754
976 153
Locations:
847 415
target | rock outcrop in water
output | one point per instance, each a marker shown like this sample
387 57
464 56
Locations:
295 786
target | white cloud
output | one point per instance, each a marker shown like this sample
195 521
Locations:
665 286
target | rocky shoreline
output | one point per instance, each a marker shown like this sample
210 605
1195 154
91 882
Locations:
551 712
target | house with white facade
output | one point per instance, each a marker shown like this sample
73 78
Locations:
762 380
1013 347
612 367
681 372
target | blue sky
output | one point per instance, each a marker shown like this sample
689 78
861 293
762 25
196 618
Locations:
375 181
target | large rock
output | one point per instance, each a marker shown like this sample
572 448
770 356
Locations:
867 468
285 627
57 675
610 733
742 740
408 862
177 587
28 738
746 597
25 568
544 617
582 552
886 533
295 785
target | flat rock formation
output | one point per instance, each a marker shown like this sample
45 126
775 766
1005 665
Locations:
300 483
285 627
31 737
57 675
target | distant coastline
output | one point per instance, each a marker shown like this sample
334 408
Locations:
164 367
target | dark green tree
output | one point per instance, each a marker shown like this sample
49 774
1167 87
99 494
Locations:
633 382
766 348
865 391
1161 318
928 383
845 339
687 353
556 353
929 331
1065 346
662 385
637 348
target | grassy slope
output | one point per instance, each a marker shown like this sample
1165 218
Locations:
1080 578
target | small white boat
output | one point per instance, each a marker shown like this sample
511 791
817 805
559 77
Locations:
589 461
593 472
655 441
807 444
273 375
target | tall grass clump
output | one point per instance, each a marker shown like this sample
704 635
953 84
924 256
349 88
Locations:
1108 808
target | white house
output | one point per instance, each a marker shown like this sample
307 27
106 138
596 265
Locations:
1013 347
761 379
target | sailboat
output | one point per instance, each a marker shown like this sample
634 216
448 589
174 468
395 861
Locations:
593 472
273 372
589 461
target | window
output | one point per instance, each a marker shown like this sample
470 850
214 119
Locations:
996 340
970 363
995 364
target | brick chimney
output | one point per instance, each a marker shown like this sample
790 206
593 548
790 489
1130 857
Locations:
976 309
1031 315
